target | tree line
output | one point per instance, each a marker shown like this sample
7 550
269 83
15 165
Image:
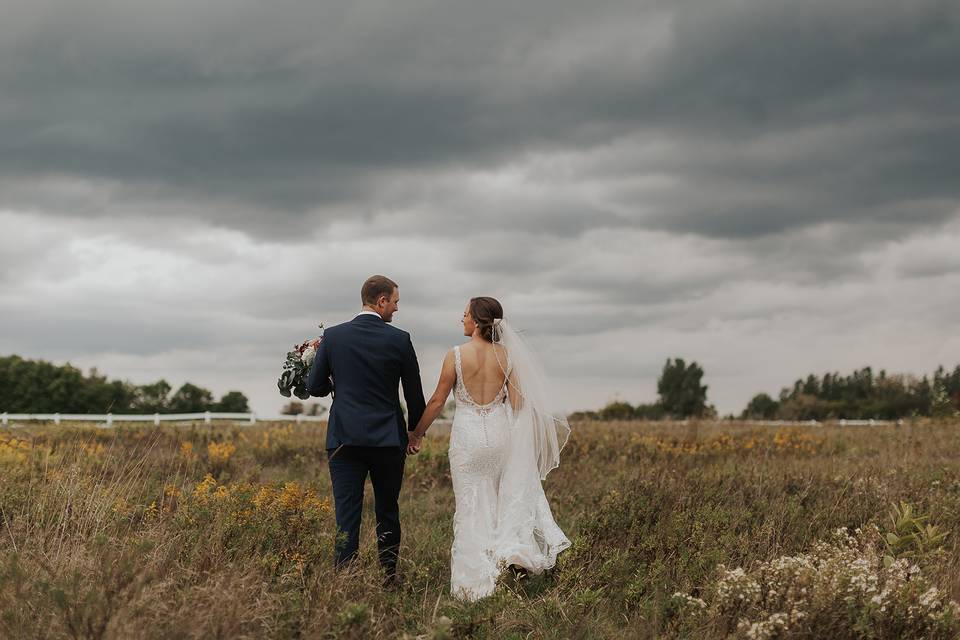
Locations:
36 386
860 395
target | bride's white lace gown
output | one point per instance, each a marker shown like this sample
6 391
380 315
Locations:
502 516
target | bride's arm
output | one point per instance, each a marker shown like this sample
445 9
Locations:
448 377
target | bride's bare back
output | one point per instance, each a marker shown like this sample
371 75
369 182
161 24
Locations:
483 365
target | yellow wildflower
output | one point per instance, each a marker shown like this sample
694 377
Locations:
220 452
202 491
264 498
94 449
120 506
14 450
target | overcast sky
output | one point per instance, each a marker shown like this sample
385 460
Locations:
770 188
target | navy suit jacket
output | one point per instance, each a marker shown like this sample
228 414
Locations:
363 363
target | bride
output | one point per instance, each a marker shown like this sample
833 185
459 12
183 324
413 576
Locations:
504 441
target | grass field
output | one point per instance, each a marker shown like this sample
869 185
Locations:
701 530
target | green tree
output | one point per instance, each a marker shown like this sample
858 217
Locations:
940 405
861 395
681 393
36 386
761 407
806 407
648 411
191 399
315 409
617 411
292 408
152 398
233 402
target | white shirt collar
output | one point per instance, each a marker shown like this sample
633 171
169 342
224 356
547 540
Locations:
372 313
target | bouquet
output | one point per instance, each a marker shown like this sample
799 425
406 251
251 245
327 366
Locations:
297 367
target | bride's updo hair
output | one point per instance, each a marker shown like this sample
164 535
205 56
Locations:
486 311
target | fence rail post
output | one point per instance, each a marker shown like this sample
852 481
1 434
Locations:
109 419
156 419
206 417
4 418
56 418
253 418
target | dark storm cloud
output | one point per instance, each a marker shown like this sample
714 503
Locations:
288 126
313 112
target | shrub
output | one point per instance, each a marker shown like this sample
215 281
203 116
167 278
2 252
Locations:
839 589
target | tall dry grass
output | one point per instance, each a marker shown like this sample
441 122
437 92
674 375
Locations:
203 531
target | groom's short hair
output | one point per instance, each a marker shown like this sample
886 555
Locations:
376 286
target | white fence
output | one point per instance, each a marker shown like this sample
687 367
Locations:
156 418
817 423
251 418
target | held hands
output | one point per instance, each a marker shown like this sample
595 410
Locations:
413 446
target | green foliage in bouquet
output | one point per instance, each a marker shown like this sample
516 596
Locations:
294 376
296 368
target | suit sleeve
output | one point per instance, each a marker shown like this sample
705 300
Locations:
412 387
319 382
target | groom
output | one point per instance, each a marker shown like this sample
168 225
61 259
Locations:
363 362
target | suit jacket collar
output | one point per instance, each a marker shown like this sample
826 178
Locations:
366 317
